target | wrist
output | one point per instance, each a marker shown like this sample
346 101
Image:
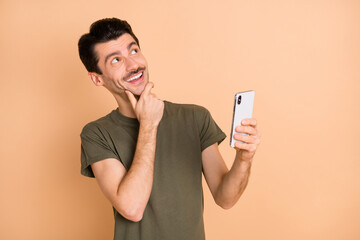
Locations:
148 126
244 165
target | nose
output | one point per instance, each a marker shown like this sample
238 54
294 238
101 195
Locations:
131 64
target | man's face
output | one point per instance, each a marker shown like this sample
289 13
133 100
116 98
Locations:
122 65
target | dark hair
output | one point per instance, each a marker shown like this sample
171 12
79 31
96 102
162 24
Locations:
101 31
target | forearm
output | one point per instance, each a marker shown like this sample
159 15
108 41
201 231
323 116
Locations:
135 188
233 183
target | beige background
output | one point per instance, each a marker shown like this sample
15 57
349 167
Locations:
301 57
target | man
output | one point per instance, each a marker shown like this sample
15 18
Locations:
148 155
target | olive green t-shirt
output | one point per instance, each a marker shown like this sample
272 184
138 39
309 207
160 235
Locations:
175 207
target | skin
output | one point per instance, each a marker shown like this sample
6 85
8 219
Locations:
129 191
227 186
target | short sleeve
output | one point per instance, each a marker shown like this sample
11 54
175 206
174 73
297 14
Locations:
94 148
209 131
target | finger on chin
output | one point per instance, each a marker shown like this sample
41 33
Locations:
132 98
148 88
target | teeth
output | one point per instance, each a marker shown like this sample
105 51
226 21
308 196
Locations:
135 77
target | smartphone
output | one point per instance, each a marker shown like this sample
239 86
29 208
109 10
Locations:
243 108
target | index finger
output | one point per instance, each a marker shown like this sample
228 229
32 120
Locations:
249 121
148 88
132 99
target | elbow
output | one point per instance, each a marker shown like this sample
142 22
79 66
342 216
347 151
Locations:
137 217
225 206
131 213
225 203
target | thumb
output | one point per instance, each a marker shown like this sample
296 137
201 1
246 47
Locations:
132 99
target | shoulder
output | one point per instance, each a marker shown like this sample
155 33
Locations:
188 114
97 126
184 108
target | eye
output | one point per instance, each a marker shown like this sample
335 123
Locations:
115 60
134 51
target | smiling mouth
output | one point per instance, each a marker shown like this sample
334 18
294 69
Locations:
135 77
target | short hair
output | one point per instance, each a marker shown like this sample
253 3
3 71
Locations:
101 31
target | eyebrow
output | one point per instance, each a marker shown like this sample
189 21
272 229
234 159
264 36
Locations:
118 52
110 55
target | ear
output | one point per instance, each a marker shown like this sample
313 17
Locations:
96 78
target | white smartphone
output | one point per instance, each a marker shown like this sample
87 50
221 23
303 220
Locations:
243 108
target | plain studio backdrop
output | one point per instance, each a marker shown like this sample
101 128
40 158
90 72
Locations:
302 58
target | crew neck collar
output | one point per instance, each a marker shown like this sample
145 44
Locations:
118 116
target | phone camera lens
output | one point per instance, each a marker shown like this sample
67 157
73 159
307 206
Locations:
239 100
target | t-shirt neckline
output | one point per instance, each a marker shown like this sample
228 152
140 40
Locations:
120 117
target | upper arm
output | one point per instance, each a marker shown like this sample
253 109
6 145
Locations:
109 173
214 167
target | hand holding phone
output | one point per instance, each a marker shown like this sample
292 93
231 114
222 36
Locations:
243 108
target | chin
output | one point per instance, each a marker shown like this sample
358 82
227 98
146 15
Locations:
139 92
140 88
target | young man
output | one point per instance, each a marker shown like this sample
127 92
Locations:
148 155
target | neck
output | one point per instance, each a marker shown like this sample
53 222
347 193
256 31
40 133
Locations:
125 107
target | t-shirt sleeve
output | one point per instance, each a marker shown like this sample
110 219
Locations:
94 148
209 131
